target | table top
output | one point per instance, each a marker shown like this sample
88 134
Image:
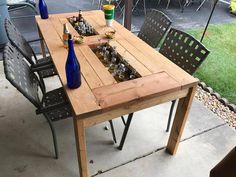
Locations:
99 90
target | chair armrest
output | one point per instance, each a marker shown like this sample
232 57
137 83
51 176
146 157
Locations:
51 107
41 66
47 62
17 6
135 32
35 40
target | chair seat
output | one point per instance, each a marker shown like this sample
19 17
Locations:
54 97
47 72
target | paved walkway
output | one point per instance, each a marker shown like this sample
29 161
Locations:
26 144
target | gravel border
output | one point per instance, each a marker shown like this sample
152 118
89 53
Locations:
216 106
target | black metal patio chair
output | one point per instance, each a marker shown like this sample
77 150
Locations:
154 28
183 50
14 5
44 66
186 52
54 104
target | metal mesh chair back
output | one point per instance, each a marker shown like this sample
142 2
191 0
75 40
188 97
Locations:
154 27
19 74
19 41
184 50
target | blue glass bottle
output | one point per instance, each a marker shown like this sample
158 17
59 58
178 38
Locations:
43 10
73 74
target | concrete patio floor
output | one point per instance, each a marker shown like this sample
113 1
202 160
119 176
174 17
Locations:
26 148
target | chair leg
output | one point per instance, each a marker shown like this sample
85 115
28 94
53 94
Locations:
125 131
135 5
144 7
113 131
181 5
168 3
158 3
53 136
170 115
123 120
199 7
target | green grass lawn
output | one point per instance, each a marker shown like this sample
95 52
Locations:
219 69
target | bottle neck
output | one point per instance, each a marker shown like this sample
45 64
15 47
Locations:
71 46
65 29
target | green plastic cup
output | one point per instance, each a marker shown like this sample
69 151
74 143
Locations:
109 11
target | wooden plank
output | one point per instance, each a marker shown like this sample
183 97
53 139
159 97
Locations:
89 74
185 79
135 90
71 14
90 19
91 120
100 25
89 40
91 58
97 65
59 54
180 119
127 56
153 65
80 139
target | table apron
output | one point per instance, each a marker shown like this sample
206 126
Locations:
117 112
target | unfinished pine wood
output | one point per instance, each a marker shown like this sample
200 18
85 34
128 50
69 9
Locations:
185 79
59 55
127 56
99 24
88 40
135 90
109 114
89 74
80 140
142 57
99 68
100 98
180 119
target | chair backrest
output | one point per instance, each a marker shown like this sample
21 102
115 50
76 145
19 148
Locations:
154 27
18 41
19 74
184 50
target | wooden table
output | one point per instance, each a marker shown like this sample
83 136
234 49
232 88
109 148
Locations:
100 97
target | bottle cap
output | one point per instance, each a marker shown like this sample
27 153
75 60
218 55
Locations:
69 36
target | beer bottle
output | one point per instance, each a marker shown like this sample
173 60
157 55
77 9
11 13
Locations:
65 35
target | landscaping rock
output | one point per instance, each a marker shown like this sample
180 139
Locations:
227 113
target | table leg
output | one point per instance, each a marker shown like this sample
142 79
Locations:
81 147
180 119
42 43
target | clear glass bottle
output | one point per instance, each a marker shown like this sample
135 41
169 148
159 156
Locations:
73 74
